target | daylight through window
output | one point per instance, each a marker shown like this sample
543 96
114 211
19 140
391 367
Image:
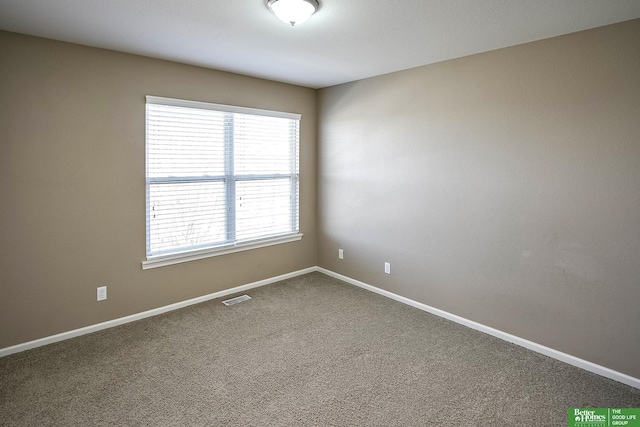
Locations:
219 178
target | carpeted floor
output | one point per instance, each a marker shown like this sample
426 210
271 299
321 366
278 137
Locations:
309 351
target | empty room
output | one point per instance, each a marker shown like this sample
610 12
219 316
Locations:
320 213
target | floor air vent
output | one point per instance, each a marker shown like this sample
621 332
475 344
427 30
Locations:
236 300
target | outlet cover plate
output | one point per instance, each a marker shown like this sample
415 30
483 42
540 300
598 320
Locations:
102 293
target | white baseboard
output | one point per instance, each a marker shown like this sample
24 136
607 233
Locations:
132 318
563 357
555 354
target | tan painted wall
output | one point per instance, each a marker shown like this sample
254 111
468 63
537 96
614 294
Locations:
502 187
72 185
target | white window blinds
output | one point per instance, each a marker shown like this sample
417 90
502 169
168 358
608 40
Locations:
218 177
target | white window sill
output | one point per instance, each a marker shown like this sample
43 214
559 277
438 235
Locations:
177 258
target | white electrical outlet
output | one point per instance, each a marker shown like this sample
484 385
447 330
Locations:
340 254
102 293
387 268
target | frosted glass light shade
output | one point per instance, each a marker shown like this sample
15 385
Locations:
293 12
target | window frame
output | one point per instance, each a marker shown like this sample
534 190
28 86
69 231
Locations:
231 245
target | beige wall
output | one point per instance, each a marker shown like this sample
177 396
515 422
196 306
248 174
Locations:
72 185
502 187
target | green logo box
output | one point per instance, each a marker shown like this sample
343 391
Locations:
604 417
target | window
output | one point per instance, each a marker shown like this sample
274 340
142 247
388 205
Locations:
219 179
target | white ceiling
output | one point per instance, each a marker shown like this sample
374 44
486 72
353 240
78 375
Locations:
345 40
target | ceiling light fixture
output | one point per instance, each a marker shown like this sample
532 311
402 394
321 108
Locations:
293 12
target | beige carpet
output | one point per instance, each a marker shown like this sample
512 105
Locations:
309 351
